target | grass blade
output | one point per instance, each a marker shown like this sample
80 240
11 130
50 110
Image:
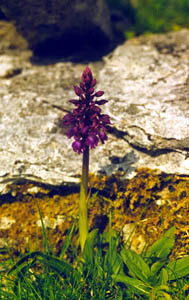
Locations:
68 240
45 239
55 264
88 252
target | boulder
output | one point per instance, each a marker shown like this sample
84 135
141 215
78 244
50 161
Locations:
55 25
146 83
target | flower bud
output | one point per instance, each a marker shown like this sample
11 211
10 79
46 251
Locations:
99 93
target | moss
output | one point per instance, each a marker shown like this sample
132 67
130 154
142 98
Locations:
152 200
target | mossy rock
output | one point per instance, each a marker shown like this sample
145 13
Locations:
152 200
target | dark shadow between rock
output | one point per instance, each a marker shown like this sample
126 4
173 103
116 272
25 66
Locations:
2 16
64 189
74 48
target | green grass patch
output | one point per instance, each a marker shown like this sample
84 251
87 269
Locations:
107 269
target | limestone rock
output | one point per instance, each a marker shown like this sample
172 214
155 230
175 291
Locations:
54 24
146 81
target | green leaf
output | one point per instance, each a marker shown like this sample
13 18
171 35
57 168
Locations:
45 239
157 266
24 261
68 240
117 264
164 296
60 266
113 262
110 235
179 268
88 252
138 286
162 247
160 292
164 277
112 258
136 265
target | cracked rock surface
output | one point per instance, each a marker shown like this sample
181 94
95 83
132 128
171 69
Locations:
146 80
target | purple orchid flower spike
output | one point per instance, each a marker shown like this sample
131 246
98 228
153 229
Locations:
87 125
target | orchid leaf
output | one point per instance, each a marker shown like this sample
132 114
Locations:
155 268
163 276
137 285
162 247
136 265
179 268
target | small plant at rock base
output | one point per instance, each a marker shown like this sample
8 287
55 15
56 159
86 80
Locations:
150 275
87 125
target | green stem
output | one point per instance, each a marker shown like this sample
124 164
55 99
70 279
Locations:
83 211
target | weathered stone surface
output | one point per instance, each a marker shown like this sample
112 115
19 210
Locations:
146 81
57 23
